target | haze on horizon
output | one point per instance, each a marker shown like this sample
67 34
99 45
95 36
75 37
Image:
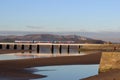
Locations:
98 19
60 15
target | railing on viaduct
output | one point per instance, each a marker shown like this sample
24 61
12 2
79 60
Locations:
37 46
79 47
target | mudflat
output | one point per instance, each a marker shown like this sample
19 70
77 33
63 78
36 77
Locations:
15 69
109 75
93 58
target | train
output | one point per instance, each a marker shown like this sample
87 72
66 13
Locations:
33 41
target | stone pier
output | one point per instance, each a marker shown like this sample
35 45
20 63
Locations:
109 61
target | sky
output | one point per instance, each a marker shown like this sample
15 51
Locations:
60 15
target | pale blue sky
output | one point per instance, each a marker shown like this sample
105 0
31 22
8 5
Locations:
60 15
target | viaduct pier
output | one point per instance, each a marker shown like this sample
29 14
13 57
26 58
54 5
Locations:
109 59
59 47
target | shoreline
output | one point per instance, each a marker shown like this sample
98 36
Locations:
108 75
109 68
93 58
16 68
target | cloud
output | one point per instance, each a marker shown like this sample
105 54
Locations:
35 27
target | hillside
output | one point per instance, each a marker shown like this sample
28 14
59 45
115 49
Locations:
49 37
105 36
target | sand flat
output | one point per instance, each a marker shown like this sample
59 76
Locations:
15 68
49 61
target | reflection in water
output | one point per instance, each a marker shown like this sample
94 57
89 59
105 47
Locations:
47 49
12 56
33 55
71 72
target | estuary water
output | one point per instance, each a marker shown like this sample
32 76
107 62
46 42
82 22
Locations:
69 72
63 72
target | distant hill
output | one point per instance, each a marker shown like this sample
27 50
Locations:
105 36
49 37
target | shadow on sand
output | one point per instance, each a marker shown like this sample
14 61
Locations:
19 74
16 69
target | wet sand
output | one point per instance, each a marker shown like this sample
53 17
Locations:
109 67
12 51
16 68
18 74
11 73
109 75
50 61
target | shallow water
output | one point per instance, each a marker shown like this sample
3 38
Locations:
64 72
32 55
13 56
68 72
